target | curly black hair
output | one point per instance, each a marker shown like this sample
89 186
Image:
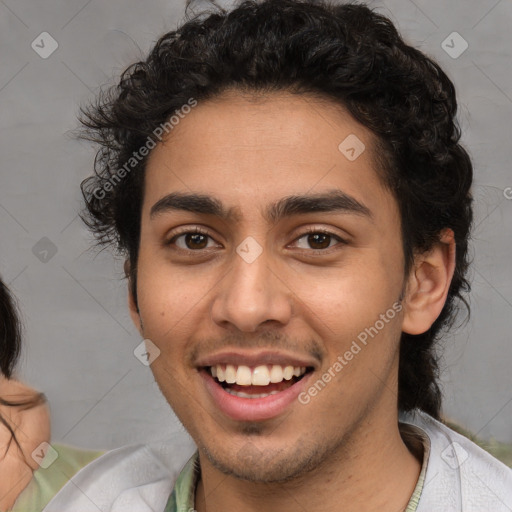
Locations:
10 332
343 52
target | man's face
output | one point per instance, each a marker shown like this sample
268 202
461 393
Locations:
273 283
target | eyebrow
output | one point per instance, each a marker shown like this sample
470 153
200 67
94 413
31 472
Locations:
333 201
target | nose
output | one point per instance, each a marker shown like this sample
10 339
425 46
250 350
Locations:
251 294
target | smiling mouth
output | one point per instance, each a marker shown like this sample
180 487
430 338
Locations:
256 382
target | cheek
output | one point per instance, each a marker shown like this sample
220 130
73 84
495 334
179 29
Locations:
349 297
168 298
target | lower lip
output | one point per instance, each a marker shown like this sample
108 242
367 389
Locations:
252 409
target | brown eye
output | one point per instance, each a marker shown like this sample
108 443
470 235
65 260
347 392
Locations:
196 241
192 241
319 240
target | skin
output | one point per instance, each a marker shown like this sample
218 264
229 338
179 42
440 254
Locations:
342 449
32 427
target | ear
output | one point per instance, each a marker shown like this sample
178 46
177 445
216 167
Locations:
428 284
132 305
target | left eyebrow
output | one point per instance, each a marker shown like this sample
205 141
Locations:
332 201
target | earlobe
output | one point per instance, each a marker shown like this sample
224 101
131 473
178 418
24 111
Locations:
134 312
132 305
126 268
428 285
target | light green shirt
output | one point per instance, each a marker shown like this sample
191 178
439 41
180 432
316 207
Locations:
182 498
47 482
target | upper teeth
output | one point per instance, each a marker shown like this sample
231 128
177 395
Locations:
258 376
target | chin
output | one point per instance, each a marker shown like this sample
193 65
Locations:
252 464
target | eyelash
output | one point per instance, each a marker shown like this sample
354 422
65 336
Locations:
187 231
308 231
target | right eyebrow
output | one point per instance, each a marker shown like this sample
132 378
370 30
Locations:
194 203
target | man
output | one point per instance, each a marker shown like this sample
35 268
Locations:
287 184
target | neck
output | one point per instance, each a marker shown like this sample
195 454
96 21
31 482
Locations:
16 475
31 426
373 470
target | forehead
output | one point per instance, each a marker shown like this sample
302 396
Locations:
246 149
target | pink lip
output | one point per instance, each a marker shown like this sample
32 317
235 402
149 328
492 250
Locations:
253 359
252 409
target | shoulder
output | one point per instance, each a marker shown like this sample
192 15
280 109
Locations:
460 475
70 458
60 463
138 478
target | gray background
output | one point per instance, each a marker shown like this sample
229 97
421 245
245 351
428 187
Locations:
79 337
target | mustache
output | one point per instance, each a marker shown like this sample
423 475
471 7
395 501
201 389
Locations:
268 339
